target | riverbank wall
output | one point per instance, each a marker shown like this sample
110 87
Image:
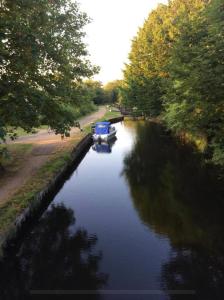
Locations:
39 203
116 120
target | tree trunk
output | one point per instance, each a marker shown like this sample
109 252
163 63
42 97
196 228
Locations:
2 169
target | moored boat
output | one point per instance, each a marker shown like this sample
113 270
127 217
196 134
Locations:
103 131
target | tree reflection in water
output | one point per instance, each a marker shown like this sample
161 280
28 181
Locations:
53 258
179 196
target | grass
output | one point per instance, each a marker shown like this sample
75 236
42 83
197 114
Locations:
21 200
16 153
21 132
112 114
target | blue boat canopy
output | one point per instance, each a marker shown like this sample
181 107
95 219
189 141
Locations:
102 127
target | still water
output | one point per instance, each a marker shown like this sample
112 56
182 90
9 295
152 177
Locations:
141 218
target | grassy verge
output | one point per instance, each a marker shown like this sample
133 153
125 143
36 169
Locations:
21 132
15 205
111 114
16 153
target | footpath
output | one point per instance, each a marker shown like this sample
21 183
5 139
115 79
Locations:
42 147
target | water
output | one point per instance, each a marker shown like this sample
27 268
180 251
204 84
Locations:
139 219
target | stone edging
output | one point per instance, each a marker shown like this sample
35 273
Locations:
41 201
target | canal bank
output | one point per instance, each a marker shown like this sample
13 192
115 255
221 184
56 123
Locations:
29 202
149 204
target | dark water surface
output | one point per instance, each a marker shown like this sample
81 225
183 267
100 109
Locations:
141 219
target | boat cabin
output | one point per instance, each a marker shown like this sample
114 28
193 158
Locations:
102 128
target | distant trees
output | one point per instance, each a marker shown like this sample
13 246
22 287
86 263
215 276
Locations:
112 90
42 60
100 94
94 90
176 70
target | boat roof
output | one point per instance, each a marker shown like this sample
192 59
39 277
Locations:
103 123
102 127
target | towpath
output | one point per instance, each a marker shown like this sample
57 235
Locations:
45 144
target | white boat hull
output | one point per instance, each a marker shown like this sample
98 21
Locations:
104 137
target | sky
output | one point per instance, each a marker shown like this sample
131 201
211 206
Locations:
114 24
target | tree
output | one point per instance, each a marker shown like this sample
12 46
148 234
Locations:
176 70
42 58
142 80
194 97
146 75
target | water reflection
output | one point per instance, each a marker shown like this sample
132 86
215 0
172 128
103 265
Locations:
53 258
180 197
196 269
104 147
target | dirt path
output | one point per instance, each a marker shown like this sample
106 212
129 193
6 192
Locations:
45 144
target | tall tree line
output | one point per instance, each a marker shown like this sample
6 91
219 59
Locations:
176 70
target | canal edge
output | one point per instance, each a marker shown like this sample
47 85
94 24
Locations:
39 203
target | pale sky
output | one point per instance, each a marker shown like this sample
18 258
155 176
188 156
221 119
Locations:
114 24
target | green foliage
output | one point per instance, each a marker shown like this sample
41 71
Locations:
146 75
112 90
143 75
93 90
176 70
195 88
42 58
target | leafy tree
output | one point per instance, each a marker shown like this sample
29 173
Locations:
194 97
42 58
176 69
142 81
146 75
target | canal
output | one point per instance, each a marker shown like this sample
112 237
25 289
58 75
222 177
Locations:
141 218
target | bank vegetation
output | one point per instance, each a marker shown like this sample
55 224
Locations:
176 72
